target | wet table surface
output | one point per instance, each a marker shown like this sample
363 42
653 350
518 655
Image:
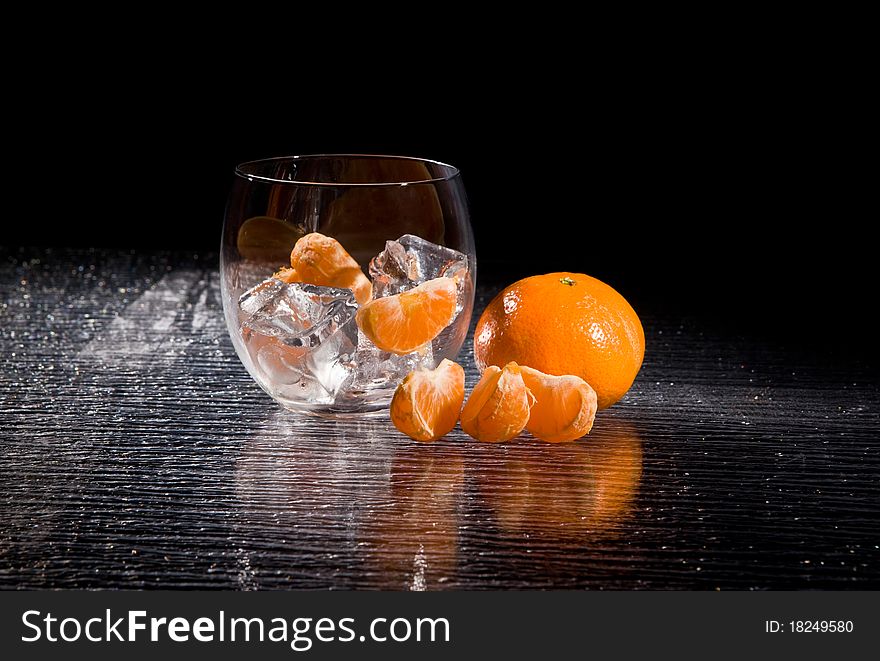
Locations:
135 451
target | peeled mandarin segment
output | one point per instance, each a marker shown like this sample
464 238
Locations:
267 239
498 408
565 406
405 322
287 275
321 260
426 404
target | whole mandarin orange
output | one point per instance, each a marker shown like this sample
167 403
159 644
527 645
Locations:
564 323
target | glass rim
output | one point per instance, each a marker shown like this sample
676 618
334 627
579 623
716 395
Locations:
239 171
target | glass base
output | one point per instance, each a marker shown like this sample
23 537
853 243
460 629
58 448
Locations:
370 410
367 403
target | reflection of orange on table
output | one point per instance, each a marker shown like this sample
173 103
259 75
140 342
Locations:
415 540
572 491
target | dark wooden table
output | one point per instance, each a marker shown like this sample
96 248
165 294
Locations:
135 451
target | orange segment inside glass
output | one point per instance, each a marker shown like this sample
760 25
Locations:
321 260
405 322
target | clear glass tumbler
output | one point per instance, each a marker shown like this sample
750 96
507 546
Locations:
403 220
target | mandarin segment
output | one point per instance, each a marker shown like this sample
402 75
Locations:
405 322
498 408
287 275
565 406
321 260
427 403
266 239
564 323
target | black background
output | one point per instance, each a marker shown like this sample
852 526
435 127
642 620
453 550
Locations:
729 190
732 184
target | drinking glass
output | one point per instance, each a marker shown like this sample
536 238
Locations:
300 342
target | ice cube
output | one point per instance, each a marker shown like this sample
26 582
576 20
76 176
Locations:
256 297
316 376
302 338
298 313
410 261
377 368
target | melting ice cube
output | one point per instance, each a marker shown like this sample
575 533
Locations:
302 337
256 297
298 313
377 367
410 261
